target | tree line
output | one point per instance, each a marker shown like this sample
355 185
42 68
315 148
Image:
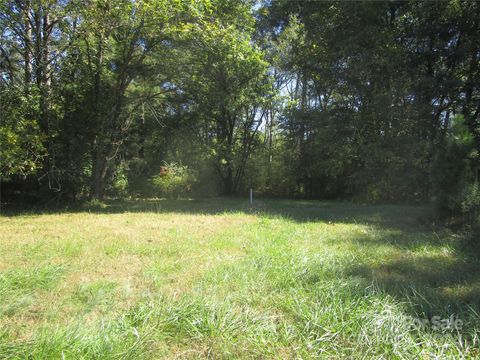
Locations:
377 101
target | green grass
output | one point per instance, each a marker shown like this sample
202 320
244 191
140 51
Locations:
216 279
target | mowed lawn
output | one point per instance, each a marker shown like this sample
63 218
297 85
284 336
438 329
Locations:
214 279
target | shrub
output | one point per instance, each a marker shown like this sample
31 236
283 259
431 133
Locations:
120 180
451 173
173 180
471 205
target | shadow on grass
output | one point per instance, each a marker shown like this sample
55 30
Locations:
431 285
436 274
296 210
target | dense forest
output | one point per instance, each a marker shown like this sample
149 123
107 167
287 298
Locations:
371 101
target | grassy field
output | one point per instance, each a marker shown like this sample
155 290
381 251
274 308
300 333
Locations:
215 279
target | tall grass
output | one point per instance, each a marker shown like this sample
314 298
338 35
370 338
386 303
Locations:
294 280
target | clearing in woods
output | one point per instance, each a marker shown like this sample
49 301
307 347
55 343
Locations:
211 278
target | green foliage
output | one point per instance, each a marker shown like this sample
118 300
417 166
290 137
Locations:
471 205
174 180
300 99
95 204
21 149
120 181
229 83
368 98
453 181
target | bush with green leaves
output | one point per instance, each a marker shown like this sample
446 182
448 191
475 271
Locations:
120 180
173 180
471 205
455 192
21 150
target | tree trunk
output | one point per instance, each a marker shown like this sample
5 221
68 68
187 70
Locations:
228 182
27 43
99 172
96 180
